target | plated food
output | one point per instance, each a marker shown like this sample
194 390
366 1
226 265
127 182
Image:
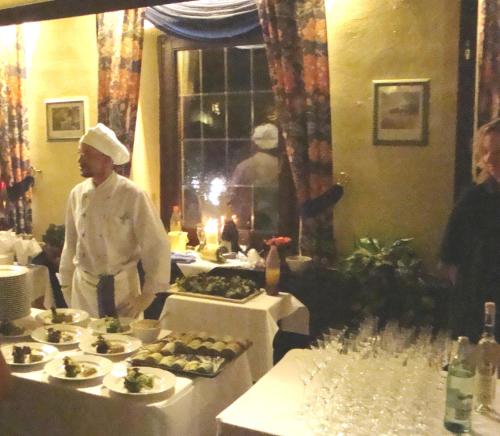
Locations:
58 334
78 367
231 288
62 316
111 325
140 381
110 345
27 353
19 328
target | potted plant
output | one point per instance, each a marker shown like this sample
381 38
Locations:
388 281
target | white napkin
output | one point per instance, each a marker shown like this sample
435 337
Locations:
7 240
26 249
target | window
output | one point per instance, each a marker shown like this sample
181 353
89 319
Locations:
212 99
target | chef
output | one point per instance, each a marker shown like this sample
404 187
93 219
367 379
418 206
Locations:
111 224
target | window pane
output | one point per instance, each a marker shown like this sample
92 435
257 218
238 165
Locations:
265 210
188 71
214 116
238 69
240 204
238 151
214 163
189 119
260 70
239 116
192 163
192 207
264 108
213 70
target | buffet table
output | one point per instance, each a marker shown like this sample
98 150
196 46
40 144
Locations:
272 406
257 320
41 405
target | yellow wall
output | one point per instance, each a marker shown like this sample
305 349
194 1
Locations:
64 64
395 191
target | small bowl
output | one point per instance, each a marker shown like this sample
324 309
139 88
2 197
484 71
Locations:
298 263
147 330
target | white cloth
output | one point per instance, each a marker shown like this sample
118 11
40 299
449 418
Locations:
257 320
102 138
273 404
109 228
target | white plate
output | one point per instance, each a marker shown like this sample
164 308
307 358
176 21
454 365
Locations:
129 343
56 367
48 351
99 326
78 316
162 381
40 334
28 324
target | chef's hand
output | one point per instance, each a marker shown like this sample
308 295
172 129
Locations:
133 306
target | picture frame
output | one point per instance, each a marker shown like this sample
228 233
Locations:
401 112
65 118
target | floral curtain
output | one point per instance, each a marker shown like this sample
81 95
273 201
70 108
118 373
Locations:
119 39
296 41
488 51
15 209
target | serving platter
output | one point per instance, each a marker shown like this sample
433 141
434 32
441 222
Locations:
48 352
174 289
163 381
129 343
67 330
103 366
79 316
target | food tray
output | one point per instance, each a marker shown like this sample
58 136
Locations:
152 354
175 290
218 363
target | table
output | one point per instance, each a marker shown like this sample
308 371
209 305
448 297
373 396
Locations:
43 406
272 406
257 320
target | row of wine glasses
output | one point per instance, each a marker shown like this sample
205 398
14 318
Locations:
372 381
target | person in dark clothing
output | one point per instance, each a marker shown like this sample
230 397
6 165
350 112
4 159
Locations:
50 257
471 245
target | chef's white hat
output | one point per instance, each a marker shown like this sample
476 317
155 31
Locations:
102 138
265 136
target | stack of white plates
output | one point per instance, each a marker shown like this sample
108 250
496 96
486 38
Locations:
14 295
6 259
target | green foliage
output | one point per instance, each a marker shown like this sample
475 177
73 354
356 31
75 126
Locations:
388 281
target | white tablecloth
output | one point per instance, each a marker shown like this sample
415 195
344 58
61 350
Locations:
39 405
272 406
256 320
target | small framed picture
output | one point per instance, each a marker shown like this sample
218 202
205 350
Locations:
401 112
65 119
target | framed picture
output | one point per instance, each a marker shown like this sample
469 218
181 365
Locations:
65 119
401 112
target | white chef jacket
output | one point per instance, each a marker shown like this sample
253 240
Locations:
109 228
259 170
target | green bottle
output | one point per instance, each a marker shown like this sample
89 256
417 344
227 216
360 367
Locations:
459 390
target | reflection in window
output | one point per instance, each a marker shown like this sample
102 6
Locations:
223 94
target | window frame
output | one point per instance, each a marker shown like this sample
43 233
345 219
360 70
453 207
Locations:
170 145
